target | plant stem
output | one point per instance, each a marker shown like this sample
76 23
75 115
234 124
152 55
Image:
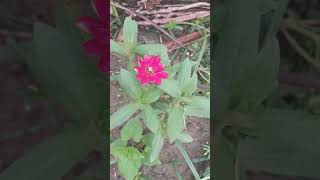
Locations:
203 47
187 159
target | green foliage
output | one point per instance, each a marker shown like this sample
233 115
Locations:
199 106
286 144
130 34
176 123
171 87
129 84
151 119
132 130
246 63
123 114
129 161
161 107
69 78
41 163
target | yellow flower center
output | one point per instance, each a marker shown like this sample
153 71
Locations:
150 70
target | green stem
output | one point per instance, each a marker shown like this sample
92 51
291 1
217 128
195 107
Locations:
203 47
187 159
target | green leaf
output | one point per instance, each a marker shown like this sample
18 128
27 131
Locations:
117 48
191 86
130 84
146 160
256 88
170 87
130 33
9 55
132 130
156 146
224 158
198 107
184 74
119 143
151 119
184 137
151 95
148 140
154 49
66 75
188 160
286 144
123 114
175 123
129 162
98 171
51 159
65 15
235 51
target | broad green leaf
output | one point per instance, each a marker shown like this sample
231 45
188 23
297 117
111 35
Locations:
119 143
130 33
129 162
66 75
184 74
154 49
235 51
191 86
132 130
97 171
156 146
123 114
65 15
151 95
287 144
224 158
130 84
146 160
256 88
148 140
118 48
51 159
9 55
170 87
198 107
184 137
176 123
151 119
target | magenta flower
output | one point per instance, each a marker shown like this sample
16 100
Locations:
150 70
98 28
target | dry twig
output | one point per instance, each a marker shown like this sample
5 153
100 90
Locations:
173 9
180 18
146 19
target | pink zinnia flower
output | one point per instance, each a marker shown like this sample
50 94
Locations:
150 70
98 28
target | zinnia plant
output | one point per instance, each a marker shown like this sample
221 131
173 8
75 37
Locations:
162 95
97 27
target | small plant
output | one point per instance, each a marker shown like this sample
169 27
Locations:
162 95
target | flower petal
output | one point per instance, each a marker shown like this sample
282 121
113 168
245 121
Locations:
93 47
103 64
162 75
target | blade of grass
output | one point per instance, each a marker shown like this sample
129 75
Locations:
174 166
188 160
203 47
